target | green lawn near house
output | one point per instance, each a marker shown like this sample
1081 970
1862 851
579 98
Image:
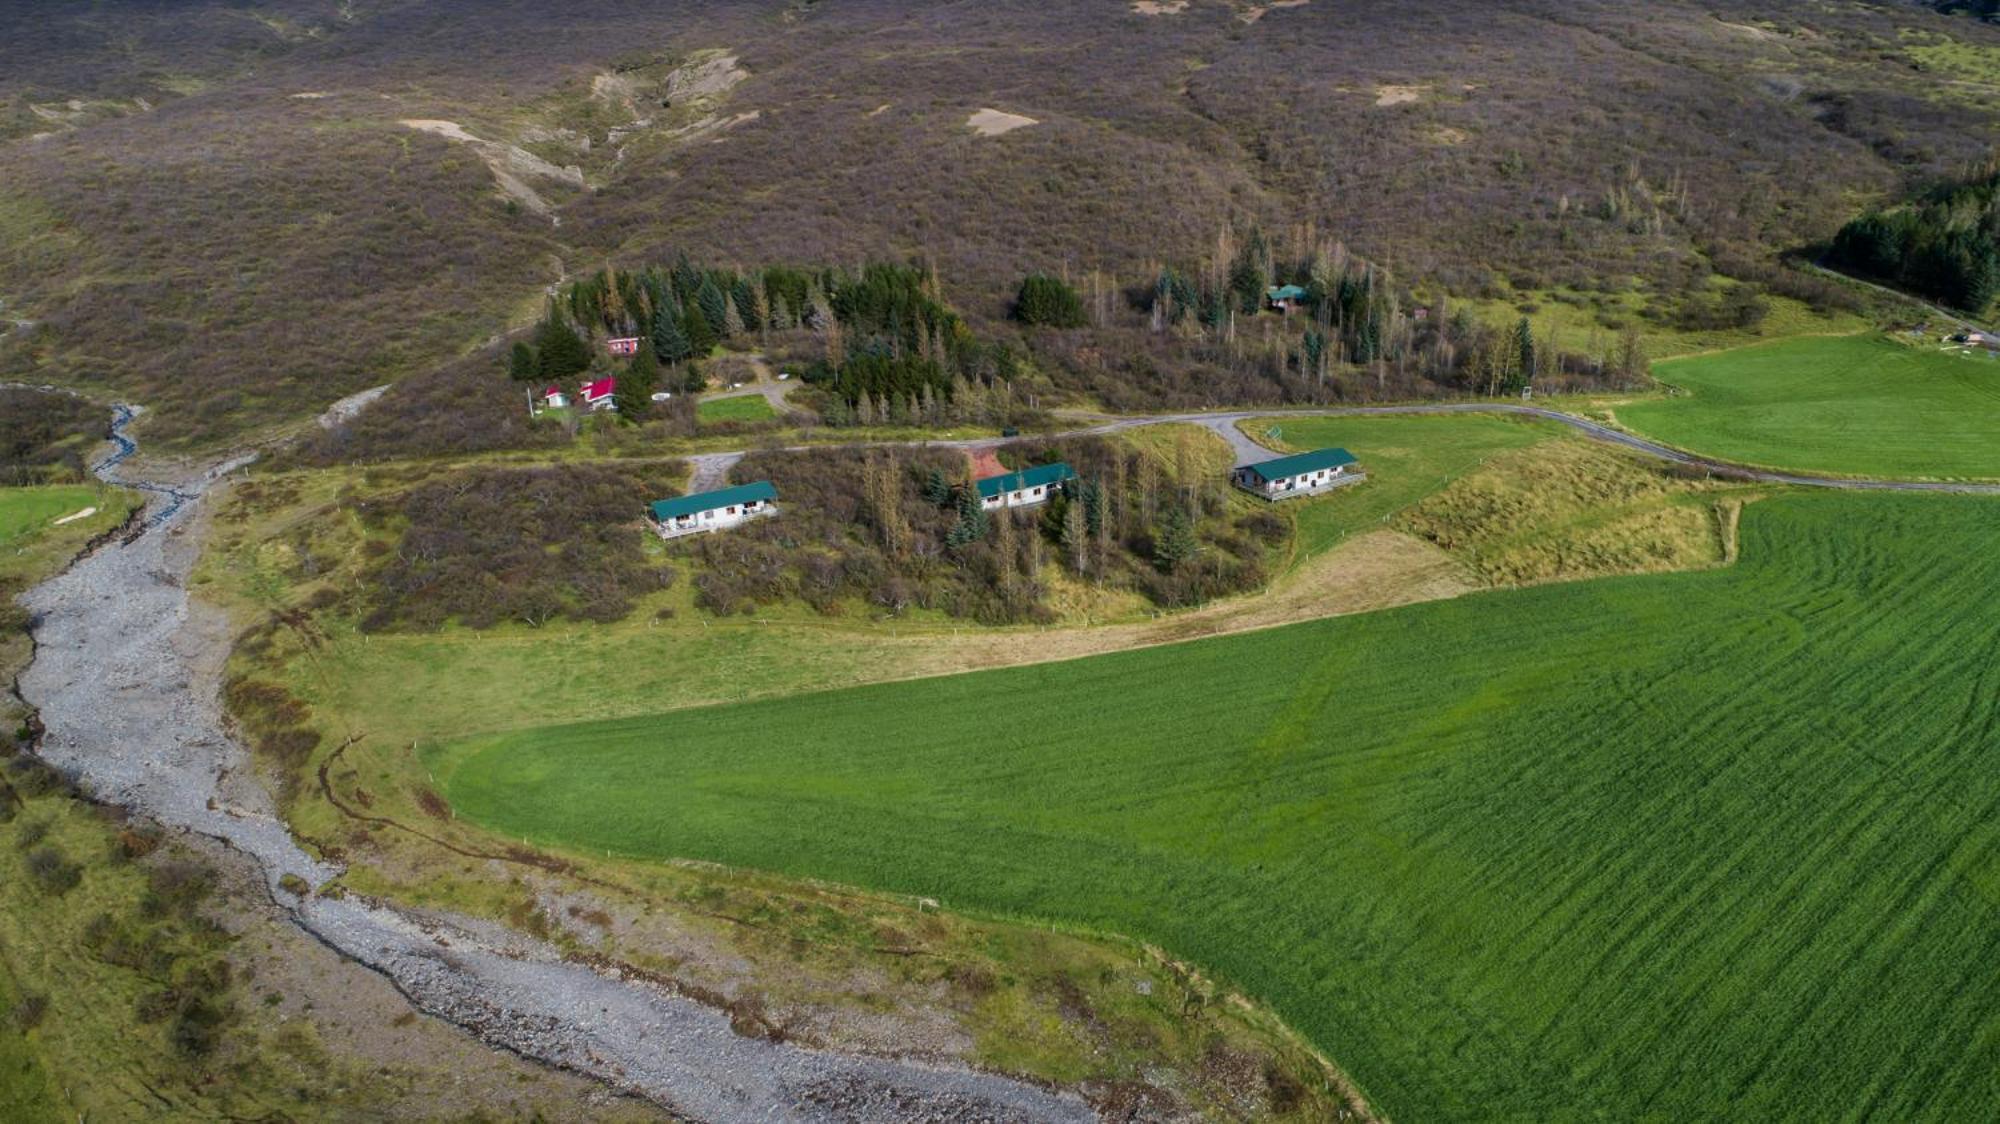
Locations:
1861 405
746 408
1710 845
1406 458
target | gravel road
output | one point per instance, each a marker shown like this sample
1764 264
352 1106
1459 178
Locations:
711 470
125 675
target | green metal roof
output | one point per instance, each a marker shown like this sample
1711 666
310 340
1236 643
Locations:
1300 463
1026 478
1285 293
664 510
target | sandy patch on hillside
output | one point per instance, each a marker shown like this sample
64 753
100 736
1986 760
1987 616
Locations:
705 78
878 110
1398 95
1159 7
512 166
1763 35
311 95
1445 134
994 122
1256 12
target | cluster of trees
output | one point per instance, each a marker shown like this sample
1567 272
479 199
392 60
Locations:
896 529
1944 247
884 346
1352 319
527 544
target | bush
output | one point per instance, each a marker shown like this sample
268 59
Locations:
54 873
28 1011
1048 301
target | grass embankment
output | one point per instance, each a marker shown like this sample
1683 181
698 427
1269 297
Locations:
29 534
742 408
1861 405
1406 459
1703 845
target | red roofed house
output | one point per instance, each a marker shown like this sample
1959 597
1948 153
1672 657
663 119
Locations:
626 346
598 395
553 398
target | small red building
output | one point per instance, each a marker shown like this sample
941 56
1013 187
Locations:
626 346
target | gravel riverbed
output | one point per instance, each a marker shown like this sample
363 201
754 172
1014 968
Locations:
126 674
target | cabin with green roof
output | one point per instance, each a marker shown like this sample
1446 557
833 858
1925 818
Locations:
713 511
1025 488
1285 298
1301 474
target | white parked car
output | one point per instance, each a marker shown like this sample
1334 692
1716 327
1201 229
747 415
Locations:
662 395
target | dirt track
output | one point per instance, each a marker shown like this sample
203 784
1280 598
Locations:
125 676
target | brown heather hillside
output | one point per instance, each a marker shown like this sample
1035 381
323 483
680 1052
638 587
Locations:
239 254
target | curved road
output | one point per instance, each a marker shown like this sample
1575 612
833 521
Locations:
712 469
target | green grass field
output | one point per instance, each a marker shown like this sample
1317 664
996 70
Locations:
1703 845
746 408
1857 405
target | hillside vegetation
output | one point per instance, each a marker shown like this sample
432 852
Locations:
238 213
1572 850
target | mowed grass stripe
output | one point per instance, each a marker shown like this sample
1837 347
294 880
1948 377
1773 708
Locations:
1688 845
1858 405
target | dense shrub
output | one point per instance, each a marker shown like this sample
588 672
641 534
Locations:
45 437
52 870
486 545
1048 301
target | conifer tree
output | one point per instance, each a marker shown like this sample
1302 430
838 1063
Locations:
700 331
744 298
1176 542
713 302
563 353
670 341
523 365
634 396
733 326
937 489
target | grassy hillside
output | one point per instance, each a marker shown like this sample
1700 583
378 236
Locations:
1861 405
235 224
1599 849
